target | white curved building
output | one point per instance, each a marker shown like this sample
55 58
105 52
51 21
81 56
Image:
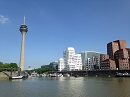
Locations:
70 61
61 64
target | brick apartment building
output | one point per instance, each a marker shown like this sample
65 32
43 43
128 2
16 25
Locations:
117 56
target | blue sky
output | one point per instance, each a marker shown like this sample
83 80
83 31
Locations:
55 25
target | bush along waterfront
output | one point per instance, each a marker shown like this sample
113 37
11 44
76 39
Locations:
44 69
7 66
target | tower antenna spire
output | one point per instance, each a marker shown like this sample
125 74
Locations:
24 21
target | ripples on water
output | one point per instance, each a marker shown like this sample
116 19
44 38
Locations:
66 87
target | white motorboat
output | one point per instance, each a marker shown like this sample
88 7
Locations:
123 74
16 77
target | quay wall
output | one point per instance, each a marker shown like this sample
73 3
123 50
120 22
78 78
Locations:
106 72
93 73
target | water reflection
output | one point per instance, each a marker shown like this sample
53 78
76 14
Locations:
66 87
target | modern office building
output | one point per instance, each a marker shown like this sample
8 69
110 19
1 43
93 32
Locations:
103 57
114 46
70 61
108 64
118 55
54 65
29 68
122 59
90 60
128 49
61 65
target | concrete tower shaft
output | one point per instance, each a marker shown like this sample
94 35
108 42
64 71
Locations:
23 29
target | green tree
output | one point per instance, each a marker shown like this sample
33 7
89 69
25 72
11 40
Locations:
44 69
6 65
1 64
13 65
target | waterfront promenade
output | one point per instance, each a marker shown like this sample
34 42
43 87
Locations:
93 72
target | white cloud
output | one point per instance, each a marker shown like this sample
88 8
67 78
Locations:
3 19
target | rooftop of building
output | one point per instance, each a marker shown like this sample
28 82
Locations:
70 48
116 41
61 59
90 51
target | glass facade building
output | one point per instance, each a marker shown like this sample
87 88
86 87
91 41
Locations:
90 60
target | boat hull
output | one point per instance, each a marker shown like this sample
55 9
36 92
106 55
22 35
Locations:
122 75
18 77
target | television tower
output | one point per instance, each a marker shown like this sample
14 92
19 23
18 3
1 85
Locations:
23 29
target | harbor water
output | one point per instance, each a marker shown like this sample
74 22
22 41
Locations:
66 87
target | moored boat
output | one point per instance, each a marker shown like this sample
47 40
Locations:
16 77
66 75
123 74
53 75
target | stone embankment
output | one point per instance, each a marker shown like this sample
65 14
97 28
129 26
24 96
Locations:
3 76
93 72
